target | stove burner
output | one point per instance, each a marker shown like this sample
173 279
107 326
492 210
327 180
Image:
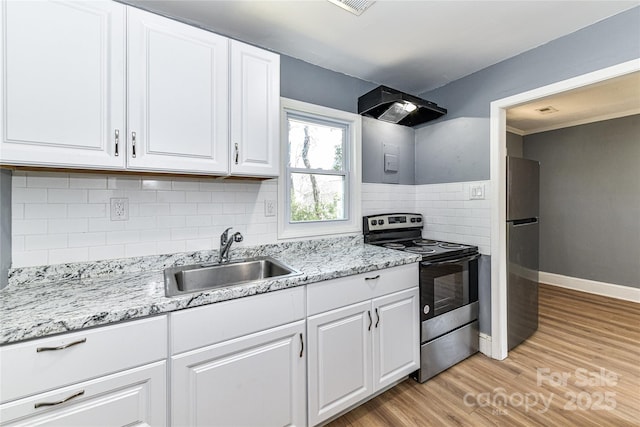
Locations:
421 250
445 245
394 245
425 242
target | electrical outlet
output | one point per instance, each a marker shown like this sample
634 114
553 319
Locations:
119 209
269 208
476 192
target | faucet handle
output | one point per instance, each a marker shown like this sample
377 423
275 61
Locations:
225 236
237 237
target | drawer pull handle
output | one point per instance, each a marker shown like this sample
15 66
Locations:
301 345
370 321
377 318
59 402
62 347
372 278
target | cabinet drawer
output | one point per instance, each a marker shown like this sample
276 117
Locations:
133 397
29 367
336 293
202 326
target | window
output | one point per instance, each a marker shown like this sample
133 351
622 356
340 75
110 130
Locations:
319 187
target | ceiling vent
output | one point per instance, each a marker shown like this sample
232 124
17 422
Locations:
546 110
354 6
391 105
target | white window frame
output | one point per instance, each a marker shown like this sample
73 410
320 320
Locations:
353 222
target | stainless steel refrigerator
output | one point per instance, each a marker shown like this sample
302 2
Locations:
523 178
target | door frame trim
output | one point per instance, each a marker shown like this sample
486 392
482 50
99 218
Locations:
498 151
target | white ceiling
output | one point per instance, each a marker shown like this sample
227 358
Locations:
609 99
413 46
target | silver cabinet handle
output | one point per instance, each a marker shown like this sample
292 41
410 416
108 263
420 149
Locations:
59 402
117 142
133 145
301 345
372 278
370 321
237 152
377 318
61 347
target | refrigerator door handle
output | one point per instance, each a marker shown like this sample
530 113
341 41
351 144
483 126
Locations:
521 222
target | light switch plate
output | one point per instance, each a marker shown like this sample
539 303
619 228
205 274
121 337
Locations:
269 208
119 209
476 192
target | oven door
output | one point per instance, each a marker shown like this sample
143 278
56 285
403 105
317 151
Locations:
447 285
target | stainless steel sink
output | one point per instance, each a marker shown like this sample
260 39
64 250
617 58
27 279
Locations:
199 277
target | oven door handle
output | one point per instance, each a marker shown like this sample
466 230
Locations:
452 261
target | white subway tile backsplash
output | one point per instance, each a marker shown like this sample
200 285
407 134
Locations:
25 227
45 241
77 240
184 209
198 197
66 216
154 209
123 183
29 258
104 196
28 195
88 210
43 210
185 184
87 181
171 196
140 249
47 180
156 184
106 252
120 237
66 196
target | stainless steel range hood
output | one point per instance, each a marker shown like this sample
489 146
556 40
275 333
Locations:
391 105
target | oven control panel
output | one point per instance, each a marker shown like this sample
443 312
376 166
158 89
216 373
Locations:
392 221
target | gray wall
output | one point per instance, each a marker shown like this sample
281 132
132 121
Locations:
514 145
378 136
590 200
309 83
5 225
452 151
608 42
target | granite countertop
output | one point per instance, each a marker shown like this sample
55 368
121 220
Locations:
42 301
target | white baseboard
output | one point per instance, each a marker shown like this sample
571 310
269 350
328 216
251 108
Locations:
485 344
591 286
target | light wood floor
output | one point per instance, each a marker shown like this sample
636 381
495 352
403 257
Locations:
576 331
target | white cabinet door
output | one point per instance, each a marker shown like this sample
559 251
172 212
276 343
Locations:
133 397
339 359
256 380
255 111
62 83
396 339
177 96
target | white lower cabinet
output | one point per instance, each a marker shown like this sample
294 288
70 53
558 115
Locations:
131 398
240 362
362 348
255 380
339 360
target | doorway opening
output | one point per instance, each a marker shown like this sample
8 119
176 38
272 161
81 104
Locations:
498 128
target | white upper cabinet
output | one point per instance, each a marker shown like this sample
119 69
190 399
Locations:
100 85
62 83
255 119
178 96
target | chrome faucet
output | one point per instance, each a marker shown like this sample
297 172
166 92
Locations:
225 244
